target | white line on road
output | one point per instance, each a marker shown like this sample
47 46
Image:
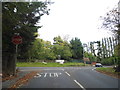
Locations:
67 73
52 69
55 75
41 69
79 84
50 74
37 75
45 75
93 68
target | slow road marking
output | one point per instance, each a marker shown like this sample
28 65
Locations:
79 84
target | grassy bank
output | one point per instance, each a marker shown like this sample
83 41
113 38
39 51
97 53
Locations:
109 71
39 64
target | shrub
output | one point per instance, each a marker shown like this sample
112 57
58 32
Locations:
108 61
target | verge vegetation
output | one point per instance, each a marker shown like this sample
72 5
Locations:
39 64
109 71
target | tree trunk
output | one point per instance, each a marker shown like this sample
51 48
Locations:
8 64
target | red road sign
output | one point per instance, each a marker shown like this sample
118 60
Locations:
17 39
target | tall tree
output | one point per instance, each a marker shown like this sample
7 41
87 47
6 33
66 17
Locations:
106 48
19 17
77 48
62 47
111 46
108 44
103 49
41 50
99 51
112 22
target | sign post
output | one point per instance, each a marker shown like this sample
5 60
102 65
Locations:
16 39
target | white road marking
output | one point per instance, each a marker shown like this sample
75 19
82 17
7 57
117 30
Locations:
50 74
52 69
37 75
67 73
45 75
79 84
41 69
93 68
60 73
55 75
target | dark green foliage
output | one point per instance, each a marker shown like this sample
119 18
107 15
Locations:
90 56
41 50
108 61
44 50
77 48
62 48
19 17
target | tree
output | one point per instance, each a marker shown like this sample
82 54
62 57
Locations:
112 22
62 48
41 50
103 49
97 48
19 17
36 50
77 48
111 46
90 56
92 48
58 40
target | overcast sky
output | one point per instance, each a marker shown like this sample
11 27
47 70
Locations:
76 18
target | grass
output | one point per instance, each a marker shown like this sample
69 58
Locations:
39 64
109 71
106 69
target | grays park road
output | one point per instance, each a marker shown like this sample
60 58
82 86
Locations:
69 77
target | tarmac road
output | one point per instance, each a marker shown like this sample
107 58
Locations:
69 77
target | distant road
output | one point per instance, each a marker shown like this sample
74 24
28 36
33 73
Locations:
69 77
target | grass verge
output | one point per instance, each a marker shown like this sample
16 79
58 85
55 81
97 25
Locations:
39 64
109 71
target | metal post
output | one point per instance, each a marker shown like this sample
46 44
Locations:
16 50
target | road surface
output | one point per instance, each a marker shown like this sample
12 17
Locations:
69 77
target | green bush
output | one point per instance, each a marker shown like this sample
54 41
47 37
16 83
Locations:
108 61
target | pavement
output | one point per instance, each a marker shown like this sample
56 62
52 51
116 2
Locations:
8 83
66 77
